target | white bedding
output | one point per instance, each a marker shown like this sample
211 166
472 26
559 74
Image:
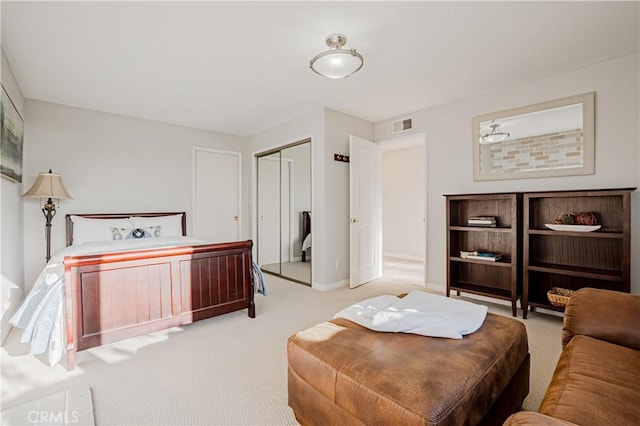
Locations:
418 312
41 315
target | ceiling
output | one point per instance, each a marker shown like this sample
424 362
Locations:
243 67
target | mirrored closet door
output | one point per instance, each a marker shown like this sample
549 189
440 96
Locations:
284 211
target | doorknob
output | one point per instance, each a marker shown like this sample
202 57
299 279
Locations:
235 218
354 220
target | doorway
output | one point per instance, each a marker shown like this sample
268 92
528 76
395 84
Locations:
404 209
284 211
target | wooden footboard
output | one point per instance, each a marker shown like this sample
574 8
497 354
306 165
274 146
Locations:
116 296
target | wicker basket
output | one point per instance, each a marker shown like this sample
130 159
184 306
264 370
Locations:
559 296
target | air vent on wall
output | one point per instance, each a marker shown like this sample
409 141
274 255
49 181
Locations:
403 125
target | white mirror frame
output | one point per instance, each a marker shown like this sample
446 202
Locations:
588 127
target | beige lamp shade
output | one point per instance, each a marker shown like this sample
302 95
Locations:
48 185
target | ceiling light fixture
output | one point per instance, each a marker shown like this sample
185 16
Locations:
337 62
494 136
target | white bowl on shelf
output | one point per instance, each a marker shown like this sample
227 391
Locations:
573 228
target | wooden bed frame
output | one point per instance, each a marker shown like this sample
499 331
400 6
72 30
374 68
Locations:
115 296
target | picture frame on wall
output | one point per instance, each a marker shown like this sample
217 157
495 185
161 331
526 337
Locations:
12 139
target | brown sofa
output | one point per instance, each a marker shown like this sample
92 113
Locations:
597 379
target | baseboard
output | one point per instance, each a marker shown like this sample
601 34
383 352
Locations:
439 288
404 256
330 286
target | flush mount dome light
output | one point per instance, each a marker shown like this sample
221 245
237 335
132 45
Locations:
337 62
494 136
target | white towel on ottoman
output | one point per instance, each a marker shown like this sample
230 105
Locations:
418 313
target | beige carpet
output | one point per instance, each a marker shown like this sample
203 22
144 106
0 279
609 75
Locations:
228 370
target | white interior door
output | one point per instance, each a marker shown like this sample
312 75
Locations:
365 211
217 183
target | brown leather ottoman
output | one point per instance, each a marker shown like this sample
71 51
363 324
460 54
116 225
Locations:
341 373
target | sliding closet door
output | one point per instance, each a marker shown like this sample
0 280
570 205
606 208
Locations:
269 212
283 200
296 163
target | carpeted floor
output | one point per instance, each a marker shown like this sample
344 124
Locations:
227 370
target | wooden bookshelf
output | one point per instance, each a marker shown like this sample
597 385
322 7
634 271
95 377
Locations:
501 279
570 259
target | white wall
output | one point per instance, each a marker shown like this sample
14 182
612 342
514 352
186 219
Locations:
403 198
110 164
449 139
11 249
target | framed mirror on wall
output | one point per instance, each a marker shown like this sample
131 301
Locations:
548 139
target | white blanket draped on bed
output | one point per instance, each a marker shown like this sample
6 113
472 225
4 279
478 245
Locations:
418 313
41 315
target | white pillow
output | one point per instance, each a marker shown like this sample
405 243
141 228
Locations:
171 225
86 230
135 233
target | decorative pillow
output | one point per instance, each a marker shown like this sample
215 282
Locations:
86 230
135 233
171 225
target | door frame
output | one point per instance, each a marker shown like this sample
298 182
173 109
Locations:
238 156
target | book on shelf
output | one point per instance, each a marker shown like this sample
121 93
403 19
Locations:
482 221
488 256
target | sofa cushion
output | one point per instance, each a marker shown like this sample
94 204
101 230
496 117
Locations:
595 383
588 313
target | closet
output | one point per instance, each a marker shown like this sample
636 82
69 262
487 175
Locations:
284 211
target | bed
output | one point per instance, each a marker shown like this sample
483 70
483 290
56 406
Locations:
131 286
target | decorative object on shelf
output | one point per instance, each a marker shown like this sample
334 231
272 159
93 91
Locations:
569 221
559 296
572 228
586 218
494 136
337 62
566 218
50 186
11 141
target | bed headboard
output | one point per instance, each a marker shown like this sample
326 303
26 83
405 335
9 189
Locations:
69 223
